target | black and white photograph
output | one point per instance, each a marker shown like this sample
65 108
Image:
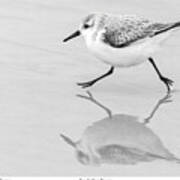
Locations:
89 88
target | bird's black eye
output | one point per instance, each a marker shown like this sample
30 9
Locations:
86 26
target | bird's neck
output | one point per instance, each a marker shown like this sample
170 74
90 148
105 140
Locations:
92 37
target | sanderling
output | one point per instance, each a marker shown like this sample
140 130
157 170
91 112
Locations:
123 41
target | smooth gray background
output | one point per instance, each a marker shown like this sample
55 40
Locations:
38 75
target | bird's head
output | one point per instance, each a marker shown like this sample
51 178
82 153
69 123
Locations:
87 26
81 153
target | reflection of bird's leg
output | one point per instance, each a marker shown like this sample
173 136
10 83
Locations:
165 99
91 98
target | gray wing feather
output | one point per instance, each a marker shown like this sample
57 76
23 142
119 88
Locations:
124 32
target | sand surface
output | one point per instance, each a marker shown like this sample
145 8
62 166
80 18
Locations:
38 75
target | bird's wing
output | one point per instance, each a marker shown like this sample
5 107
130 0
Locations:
158 28
125 31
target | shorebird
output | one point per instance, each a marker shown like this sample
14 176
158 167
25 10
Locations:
123 41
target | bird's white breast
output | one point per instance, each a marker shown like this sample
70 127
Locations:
134 54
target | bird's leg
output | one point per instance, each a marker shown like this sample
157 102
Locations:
168 82
90 83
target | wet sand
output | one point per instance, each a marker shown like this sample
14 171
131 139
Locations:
38 75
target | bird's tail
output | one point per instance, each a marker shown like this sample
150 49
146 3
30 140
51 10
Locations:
175 25
169 27
174 159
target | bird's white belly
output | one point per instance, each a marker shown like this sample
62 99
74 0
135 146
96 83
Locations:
122 57
134 54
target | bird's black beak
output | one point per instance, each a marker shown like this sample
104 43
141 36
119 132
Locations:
75 34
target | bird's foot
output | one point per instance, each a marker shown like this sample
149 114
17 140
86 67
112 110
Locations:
86 84
168 82
166 99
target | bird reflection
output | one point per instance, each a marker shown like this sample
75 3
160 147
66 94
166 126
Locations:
120 139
